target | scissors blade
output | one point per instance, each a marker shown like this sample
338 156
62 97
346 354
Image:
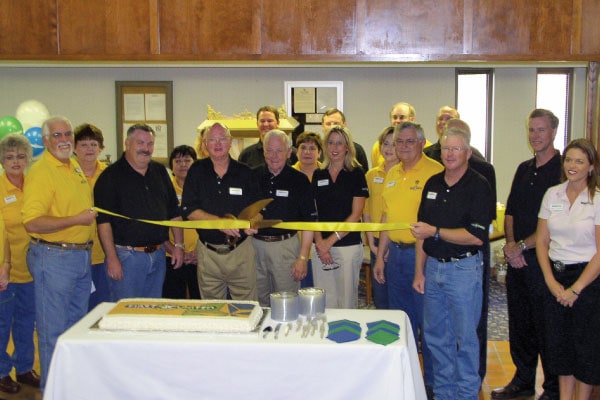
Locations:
265 223
253 209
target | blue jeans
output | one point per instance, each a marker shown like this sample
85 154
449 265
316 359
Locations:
452 308
380 290
399 275
143 274
62 281
17 315
100 279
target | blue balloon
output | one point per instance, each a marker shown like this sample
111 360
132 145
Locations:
34 135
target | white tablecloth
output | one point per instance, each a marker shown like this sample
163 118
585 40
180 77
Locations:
89 363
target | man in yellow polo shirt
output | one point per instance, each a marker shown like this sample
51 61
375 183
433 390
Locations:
57 213
402 191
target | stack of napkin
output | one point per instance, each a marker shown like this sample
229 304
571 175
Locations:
343 331
383 332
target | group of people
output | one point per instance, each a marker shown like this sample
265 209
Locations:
61 257
552 247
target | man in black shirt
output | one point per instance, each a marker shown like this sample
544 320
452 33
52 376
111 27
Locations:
333 117
214 187
281 258
453 226
267 119
525 283
137 187
447 118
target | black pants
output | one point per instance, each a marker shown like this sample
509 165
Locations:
483 320
181 281
525 288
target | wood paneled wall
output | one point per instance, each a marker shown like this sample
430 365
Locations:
300 30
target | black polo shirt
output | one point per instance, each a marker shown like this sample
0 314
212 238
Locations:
528 188
459 206
478 163
334 199
292 197
123 190
254 156
205 190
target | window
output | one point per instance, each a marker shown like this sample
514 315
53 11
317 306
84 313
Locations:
553 92
474 103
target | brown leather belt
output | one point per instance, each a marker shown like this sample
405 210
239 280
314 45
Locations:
277 238
65 246
151 248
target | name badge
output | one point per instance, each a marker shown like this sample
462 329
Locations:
557 207
282 193
431 195
391 184
10 199
235 191
378 179
323 182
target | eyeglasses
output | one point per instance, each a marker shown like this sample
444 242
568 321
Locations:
217 140
453 149
58 135
408 142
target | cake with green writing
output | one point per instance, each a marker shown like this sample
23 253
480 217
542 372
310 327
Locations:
183 315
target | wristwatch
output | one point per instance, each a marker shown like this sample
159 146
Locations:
437 234
522 245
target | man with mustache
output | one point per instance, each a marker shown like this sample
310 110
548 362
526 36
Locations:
137 187
57 213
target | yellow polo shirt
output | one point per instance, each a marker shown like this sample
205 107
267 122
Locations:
374 203
190 236
57 190
297 167
11 203
97 252
402 194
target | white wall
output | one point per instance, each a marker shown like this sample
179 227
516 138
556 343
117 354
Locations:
87 94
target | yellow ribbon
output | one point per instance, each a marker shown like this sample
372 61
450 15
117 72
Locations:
226 223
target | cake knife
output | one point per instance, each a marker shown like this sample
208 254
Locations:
277 328
266 331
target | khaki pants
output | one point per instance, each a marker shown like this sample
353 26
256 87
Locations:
235 271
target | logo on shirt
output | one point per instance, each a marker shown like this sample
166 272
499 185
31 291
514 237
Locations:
416 186
391 184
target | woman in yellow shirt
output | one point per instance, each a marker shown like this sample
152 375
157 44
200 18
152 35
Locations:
89 143
17 306
309 152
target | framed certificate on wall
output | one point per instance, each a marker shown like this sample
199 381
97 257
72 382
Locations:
146 102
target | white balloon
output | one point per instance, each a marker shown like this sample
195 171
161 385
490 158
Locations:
31 113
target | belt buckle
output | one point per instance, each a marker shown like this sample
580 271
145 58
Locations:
558 266
223 250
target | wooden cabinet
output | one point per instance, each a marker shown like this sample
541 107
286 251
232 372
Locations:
300 30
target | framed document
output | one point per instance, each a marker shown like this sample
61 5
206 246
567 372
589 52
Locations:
146 102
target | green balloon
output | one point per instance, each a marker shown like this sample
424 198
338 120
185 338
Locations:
10 124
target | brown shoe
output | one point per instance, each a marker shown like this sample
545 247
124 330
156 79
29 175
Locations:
512 391
7 385
30 378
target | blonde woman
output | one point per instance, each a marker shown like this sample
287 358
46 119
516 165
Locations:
340 190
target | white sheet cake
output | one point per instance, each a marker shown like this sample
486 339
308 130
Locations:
183 315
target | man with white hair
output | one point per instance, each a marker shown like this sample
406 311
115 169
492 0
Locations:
281 256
